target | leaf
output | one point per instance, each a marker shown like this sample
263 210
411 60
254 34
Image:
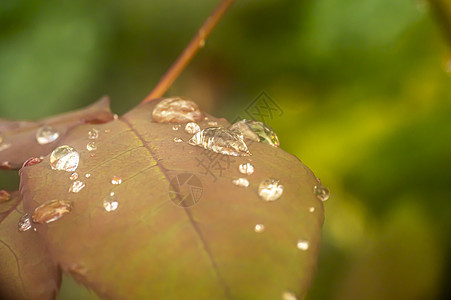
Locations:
151 248
27 271
18 138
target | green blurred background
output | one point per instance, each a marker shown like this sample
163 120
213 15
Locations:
363 86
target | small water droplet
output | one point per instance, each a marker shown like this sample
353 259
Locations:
176 110
6 165
64 158
4 146
77 186
220 140
178 140
241 182
311 209
73 176
288 296
115 116
88 175
4 196
192 128
321 192
213 123
51 210
110 203
270 189
302 245
46 134
259 228
24 223
246 168
256 131
116 180
176 127
107 130
91 146
31 161
93 134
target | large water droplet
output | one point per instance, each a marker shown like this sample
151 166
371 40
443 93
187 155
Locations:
288 296
91 146
93 134
176 110
4 196
303 245
31 161
270 189
46 134
116 180
64 158
192 128
259 228
246 168
110 203
51 210
256 131
321 192
24 223
220 140
76 186
241 182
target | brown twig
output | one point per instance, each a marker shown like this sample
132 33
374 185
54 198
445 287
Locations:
197 42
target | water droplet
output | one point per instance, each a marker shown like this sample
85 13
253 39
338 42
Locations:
76 186
91 146
176 127
93 134
241 182
288 296
192 128
256 131
73 176
24 223
46 134
116 180
178 140
176 110
220 140
107 130
115 116
259 228
246 168
88 175
4 196
303 245
31 161
321 192
51 210
311 209
213 123
110 203
64 158
6 165
270 189
4 146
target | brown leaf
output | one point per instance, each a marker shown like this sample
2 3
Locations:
146 246
27 271
18 140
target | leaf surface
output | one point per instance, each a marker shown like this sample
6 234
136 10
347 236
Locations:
152 248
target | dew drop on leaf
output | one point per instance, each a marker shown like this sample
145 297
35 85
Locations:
192 128
64 158
4 196
270 189
76 186
116 180
311 209
256 131
243 182
24 223
110 203
246 168
221 141
31 161
73 176
93 134
259 228
51 210
46 134
91 146
176 127
303 245
288 296
176 110
178 140
321 192
88 175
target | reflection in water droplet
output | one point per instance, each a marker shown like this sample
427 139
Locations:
116 180
110 203
51 210
178 140
321 192
288 296
256 131
88 175
31 161
247 169
64 158
46 134
270 189
24 223
303 245
241 182
176 127
73 176
176 110
220 140
192 128
93 134
311 209
76 186
91 146
259 228
4 196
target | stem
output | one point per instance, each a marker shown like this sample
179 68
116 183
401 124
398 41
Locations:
182 61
